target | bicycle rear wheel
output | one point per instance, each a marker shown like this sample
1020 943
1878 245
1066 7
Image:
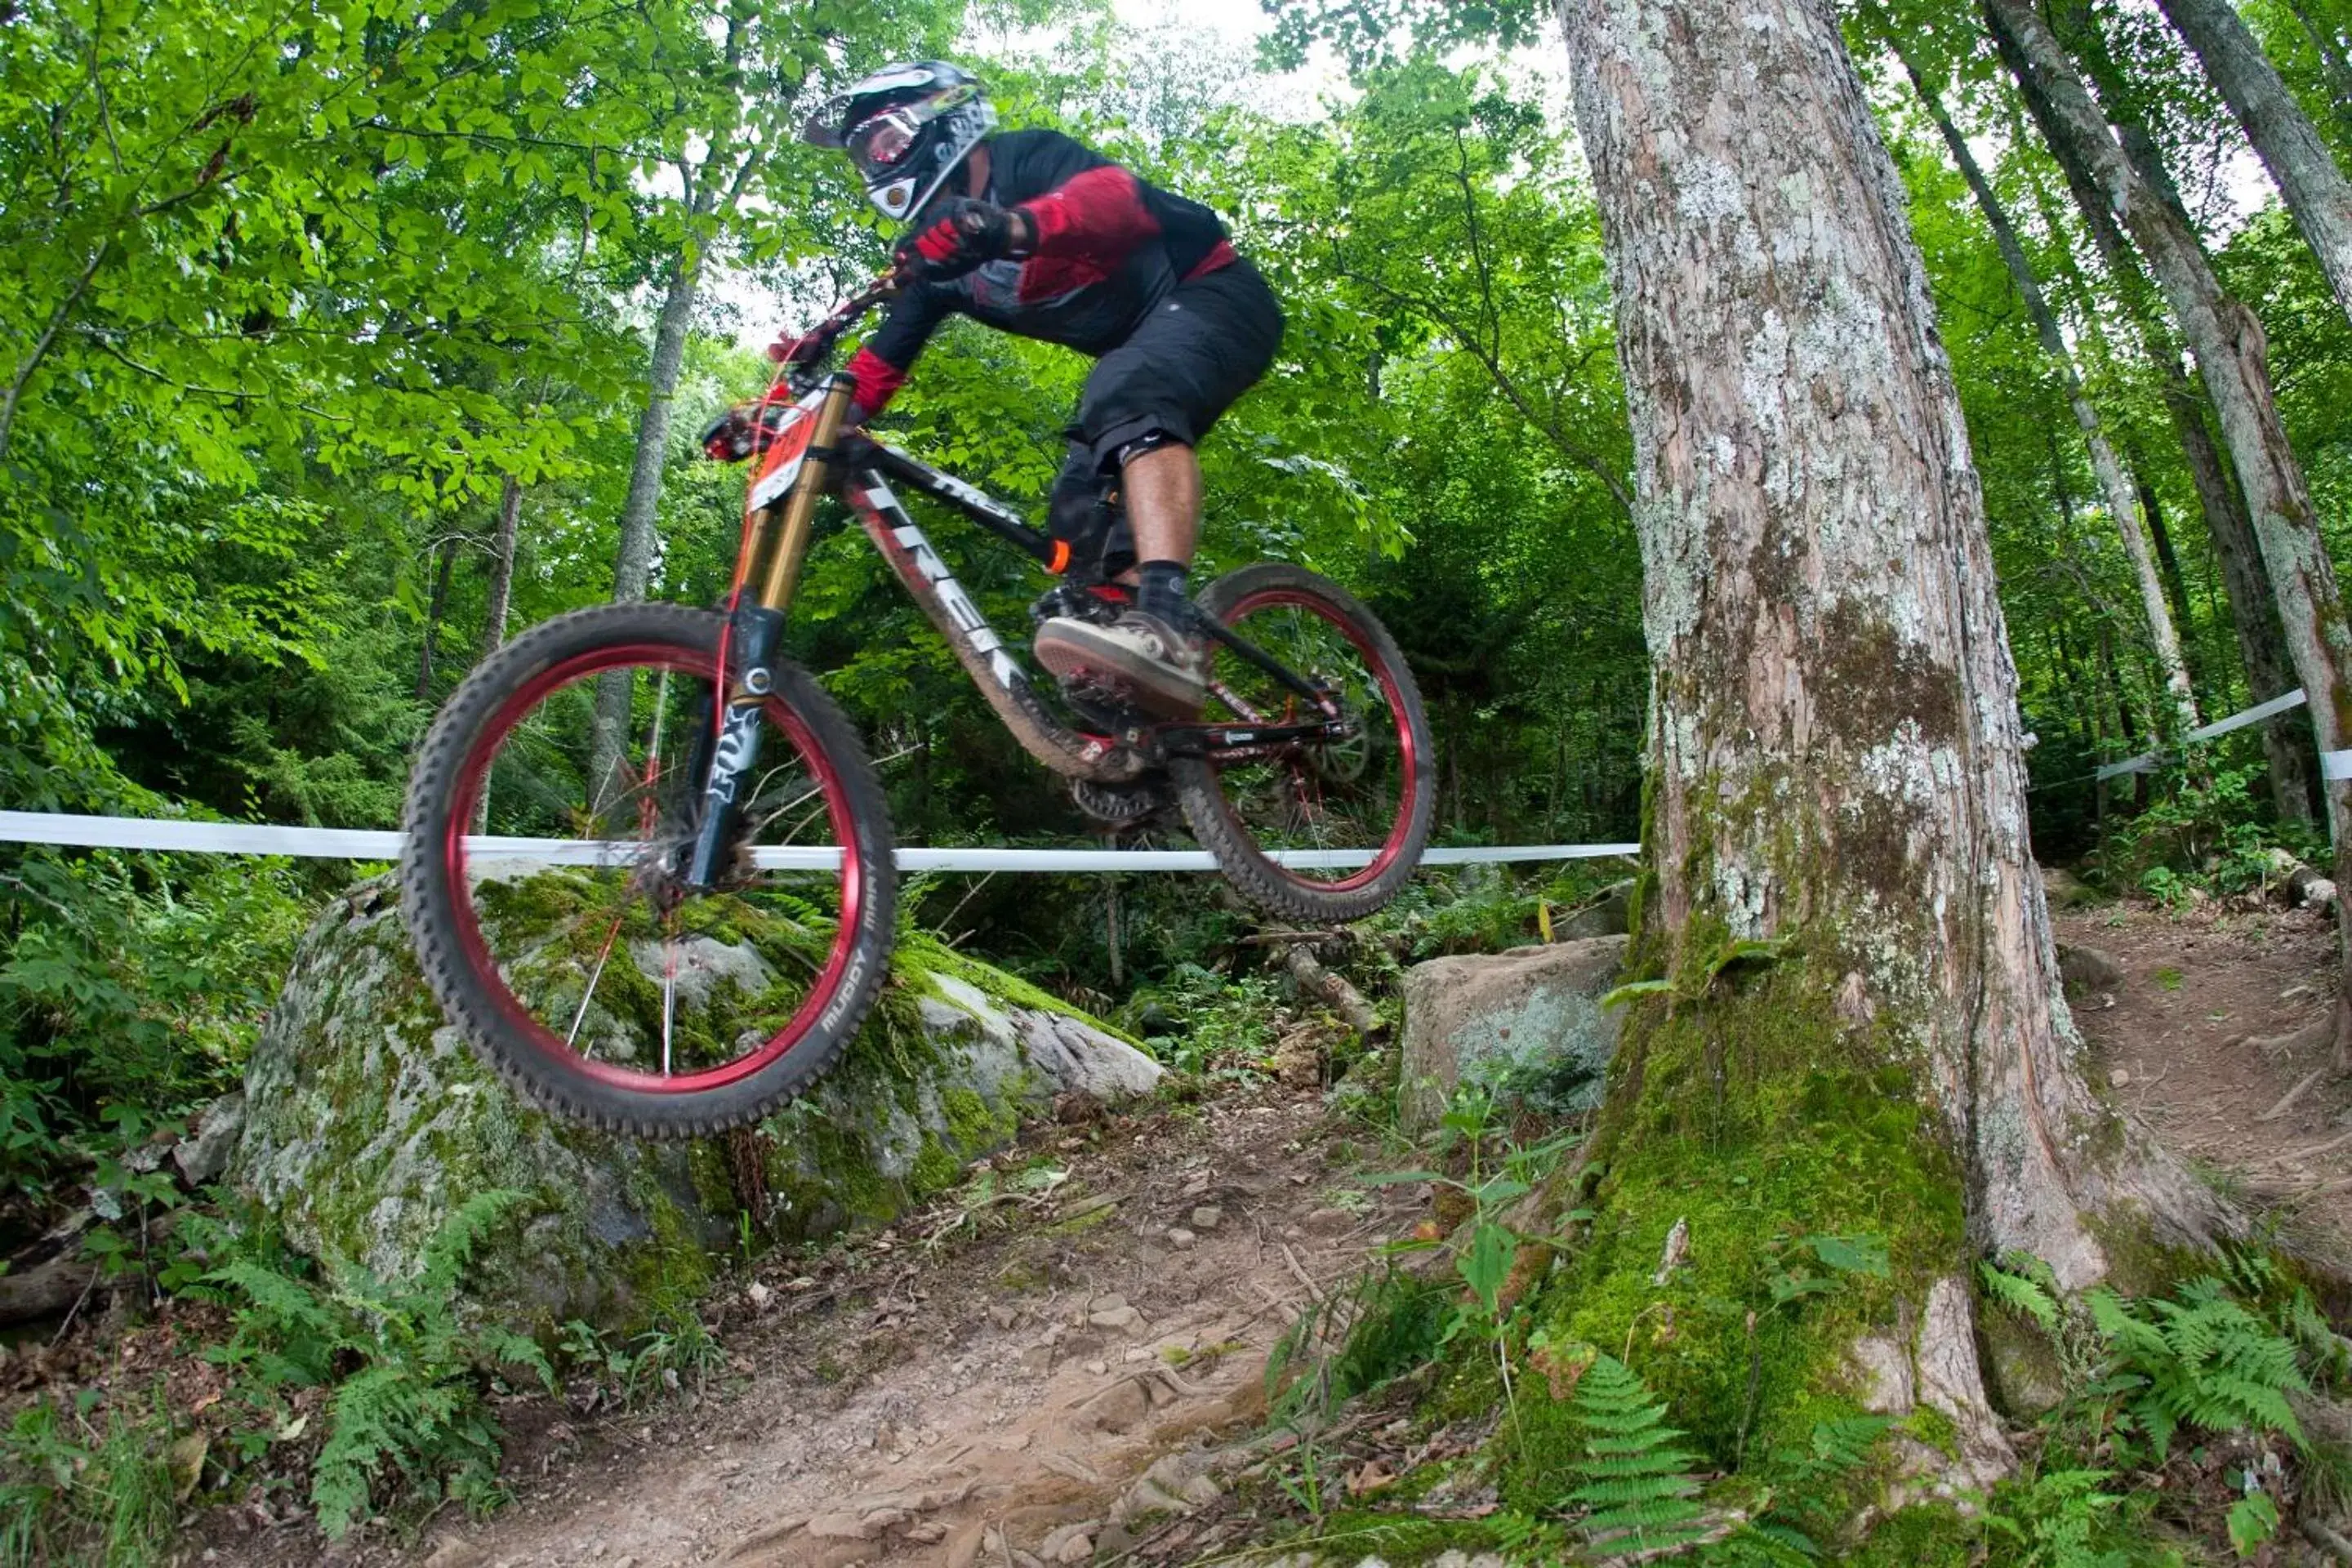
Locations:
1322 832
548 821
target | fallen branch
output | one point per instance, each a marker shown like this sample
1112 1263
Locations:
1332 991
44 1290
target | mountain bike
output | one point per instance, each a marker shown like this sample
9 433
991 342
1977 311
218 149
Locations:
649 871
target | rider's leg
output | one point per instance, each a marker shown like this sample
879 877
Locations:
1163 487
1145 404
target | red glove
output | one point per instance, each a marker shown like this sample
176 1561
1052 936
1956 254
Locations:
965 234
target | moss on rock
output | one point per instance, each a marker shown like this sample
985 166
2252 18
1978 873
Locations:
370 1120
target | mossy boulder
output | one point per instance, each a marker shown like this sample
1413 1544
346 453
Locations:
369 1120
1529 1021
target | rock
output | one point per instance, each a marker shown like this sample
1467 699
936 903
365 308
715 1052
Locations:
2319 893
1529 1020
1003 1315
368 1121
1208 1216
205 1155
1071 1543
1181 1239
454 1553
843 1527
1122 1317
2088 971
1606 915
2065 891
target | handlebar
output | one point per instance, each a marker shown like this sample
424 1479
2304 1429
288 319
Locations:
804 358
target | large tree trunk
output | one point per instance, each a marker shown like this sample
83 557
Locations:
2228 343
1846 908
2315 190
2115 485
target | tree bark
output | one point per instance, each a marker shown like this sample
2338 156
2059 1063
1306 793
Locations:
436 607
2167 559
2228 346
502 559
2115 484
501 594
2316 193
1846 911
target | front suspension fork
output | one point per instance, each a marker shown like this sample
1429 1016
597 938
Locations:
754 635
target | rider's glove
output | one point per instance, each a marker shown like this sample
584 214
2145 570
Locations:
966 234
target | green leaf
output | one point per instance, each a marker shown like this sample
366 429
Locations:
2254 1519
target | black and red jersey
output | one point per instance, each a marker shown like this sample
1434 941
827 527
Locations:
1109 248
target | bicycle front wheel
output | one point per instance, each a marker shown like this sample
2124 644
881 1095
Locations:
548 821
1322 832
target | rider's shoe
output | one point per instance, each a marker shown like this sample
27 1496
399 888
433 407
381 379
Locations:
1162 670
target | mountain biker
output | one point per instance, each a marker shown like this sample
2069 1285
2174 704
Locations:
1032 233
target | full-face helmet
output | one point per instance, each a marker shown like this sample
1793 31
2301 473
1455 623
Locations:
907 127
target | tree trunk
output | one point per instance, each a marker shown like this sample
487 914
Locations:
633 570
2115 484
2228 343
502 559
433 610
501 594
2253 609
1845 910
2168 560
2316 191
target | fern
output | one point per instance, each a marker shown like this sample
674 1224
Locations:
1635 1484
2200 1361
2021 1294
416 1407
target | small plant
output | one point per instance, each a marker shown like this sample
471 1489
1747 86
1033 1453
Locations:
1634 1482
71 1492
2200 1361
2062 1518
414 1407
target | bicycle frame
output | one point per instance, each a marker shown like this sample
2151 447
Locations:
812 454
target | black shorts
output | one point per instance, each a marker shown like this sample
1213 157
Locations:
1185 365
1200 349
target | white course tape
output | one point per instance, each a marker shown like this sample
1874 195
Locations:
353 844
2145 761
2335 764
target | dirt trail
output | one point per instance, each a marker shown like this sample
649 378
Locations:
1010 1384
2191 1037
1011 1398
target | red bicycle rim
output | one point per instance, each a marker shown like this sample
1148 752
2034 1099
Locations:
780 720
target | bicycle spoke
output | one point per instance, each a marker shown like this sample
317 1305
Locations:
603 955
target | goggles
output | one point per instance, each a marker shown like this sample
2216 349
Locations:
882 141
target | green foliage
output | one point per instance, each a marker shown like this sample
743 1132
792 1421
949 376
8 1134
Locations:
2201 1361
1633 1483
71 1491
132 992
409 1413
2060 1519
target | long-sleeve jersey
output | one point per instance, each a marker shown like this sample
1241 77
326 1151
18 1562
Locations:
1109 249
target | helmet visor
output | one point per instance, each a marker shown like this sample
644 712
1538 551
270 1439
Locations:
881 144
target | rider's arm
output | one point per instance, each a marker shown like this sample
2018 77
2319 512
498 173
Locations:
1087 206
879 367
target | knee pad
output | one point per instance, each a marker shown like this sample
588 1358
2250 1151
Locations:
1084 511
